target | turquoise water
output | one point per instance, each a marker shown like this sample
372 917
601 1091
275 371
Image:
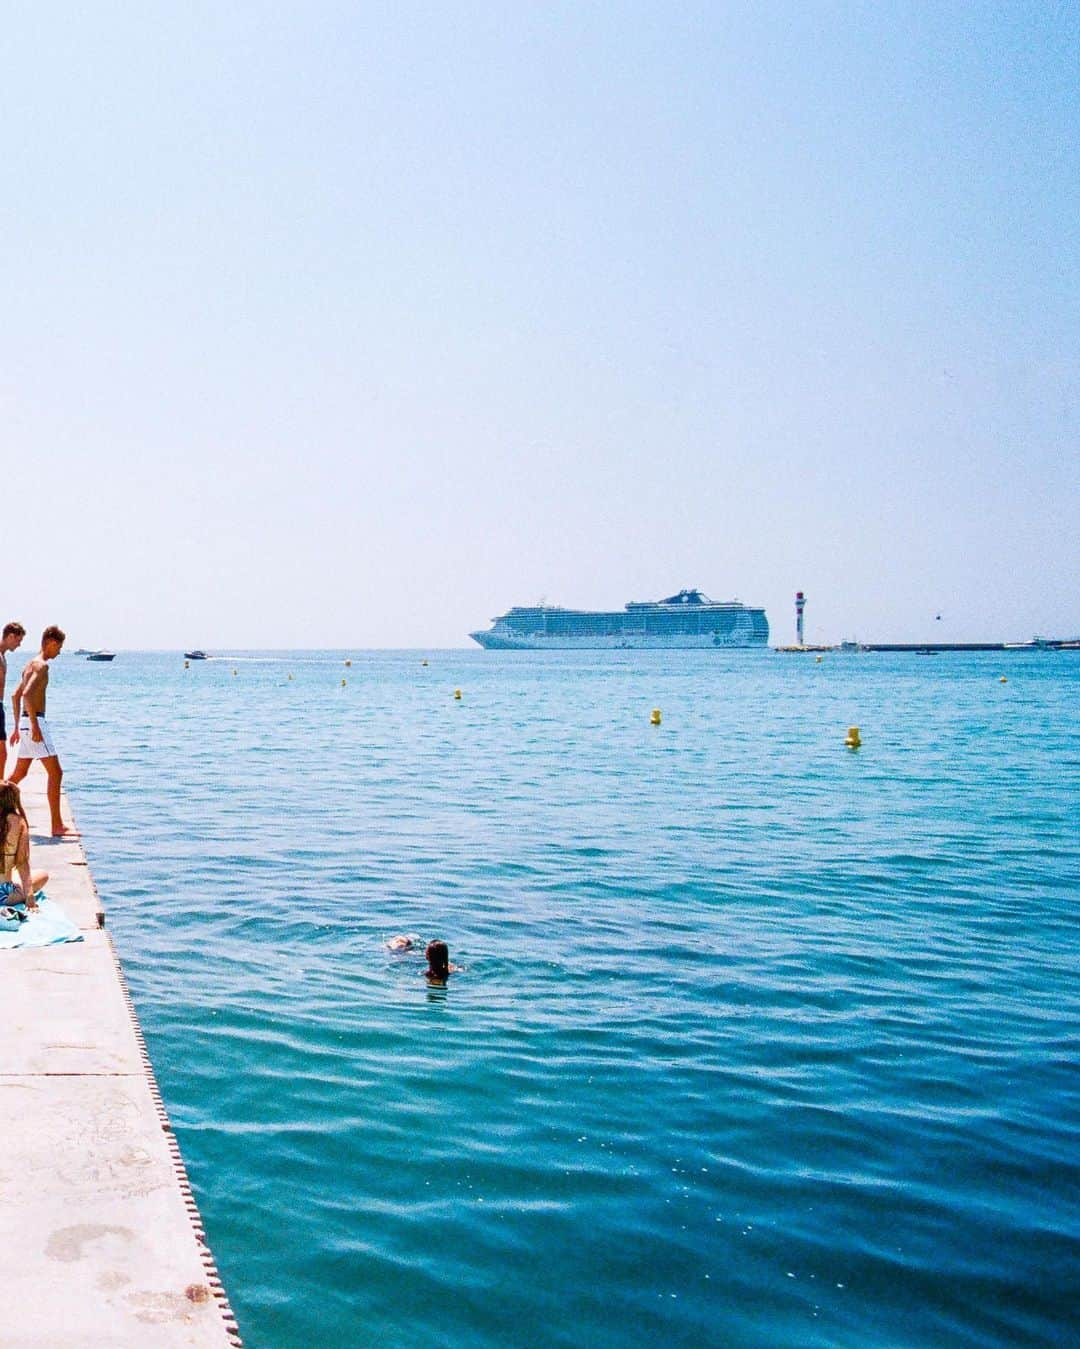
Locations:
760 1041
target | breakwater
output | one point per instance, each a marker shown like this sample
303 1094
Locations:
933 648
921 647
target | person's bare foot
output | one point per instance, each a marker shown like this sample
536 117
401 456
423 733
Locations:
66 831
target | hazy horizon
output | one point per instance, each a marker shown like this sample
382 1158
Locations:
354 325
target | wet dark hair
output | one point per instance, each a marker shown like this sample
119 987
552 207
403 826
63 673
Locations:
13 630
438 959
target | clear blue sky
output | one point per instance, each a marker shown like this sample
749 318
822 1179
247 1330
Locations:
347 323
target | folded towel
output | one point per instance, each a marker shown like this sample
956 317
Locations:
46 925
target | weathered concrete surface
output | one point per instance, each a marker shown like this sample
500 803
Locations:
100 1236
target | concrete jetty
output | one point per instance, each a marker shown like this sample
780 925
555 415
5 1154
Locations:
101 1238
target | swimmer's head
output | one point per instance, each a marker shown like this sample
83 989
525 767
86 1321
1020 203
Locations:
405 942
438 959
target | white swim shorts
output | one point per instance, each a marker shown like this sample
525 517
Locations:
28 747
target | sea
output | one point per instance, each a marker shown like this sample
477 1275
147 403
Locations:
757 1040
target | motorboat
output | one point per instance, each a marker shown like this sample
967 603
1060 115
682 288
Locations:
102 655
195 655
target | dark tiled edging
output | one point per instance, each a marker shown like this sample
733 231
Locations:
206 1256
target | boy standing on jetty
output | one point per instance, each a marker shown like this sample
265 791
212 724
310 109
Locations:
31 732
9 641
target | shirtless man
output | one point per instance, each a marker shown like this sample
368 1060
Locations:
10 641
31 732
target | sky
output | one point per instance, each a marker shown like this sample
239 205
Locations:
353 324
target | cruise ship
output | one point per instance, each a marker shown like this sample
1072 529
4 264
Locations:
688 619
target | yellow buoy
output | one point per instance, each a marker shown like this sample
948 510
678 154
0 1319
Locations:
854 740
343 683
187 665
236 672
1004 680
457 694
349 663
290 676
423 662
654 719
820 659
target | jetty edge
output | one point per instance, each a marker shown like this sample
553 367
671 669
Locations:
98 1225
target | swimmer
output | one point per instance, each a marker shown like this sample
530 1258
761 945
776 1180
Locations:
15 851
439 967
408 941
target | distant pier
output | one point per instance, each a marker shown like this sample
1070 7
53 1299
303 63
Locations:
934 648
102 1238
801 647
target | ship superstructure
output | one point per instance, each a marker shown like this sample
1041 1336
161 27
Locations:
688 619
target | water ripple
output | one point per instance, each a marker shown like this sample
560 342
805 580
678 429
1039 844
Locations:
759 1042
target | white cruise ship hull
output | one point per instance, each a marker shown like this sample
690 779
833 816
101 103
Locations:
496 641
686 621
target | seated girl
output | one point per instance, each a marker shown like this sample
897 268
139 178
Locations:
15 851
